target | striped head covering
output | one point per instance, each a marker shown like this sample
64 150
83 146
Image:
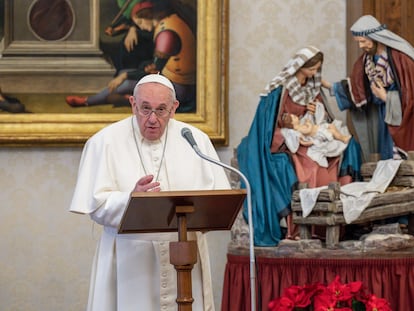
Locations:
287 77
368 26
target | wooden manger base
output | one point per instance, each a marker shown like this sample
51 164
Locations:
397 201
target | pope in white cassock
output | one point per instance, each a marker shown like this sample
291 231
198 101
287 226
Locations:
144 152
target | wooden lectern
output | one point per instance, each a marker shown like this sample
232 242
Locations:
182 211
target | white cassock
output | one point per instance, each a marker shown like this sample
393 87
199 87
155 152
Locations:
132 271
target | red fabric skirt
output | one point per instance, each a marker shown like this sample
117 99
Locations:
388 278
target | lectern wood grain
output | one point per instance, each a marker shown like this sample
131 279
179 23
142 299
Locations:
155 211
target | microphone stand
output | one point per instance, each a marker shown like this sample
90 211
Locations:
250 217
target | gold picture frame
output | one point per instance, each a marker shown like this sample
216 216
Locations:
69 129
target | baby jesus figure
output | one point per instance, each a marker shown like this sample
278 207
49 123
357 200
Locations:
323 140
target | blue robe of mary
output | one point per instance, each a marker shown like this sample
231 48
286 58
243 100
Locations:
271 175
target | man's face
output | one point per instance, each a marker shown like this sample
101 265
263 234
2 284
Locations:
153 96
143 23
366 44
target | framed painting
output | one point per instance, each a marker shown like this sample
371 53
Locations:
42 63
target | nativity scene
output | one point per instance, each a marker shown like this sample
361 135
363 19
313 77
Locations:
335 215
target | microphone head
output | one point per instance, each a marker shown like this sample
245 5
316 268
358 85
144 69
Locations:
185 131
188 135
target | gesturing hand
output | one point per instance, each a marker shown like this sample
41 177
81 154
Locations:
145 184
379 91
326 84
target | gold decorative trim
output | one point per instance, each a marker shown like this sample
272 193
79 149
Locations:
67 129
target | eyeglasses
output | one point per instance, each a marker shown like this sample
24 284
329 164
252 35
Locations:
160 112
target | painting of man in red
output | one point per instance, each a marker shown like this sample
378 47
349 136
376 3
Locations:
175 49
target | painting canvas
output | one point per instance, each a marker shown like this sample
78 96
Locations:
50 53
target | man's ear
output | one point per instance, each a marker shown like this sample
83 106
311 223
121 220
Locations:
176 104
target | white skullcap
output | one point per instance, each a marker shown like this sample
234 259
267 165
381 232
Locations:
157 78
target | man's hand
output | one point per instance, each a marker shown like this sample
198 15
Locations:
131 39
326 84
151 68
115 82
379 91
145 184
112 31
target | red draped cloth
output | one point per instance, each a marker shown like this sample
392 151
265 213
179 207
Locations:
387 278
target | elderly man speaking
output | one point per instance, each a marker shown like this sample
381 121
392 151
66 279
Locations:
144 152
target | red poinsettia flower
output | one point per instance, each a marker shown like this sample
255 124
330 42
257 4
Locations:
281 304
344 292
328 303
377 304
301 295
334 297
325 301
294 296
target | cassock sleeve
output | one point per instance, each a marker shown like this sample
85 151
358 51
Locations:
96 192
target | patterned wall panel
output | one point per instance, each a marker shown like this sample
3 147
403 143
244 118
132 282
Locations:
47 252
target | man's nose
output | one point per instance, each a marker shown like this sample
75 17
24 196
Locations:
152 116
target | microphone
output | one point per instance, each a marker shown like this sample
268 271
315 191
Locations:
188 135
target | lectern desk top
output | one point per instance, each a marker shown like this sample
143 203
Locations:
156 211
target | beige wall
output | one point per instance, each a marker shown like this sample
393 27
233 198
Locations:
46 252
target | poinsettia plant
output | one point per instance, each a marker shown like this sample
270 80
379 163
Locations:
335 296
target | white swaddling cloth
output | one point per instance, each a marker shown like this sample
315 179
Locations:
324 145
356 196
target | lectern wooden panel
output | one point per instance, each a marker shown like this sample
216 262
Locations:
182 211
156 211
